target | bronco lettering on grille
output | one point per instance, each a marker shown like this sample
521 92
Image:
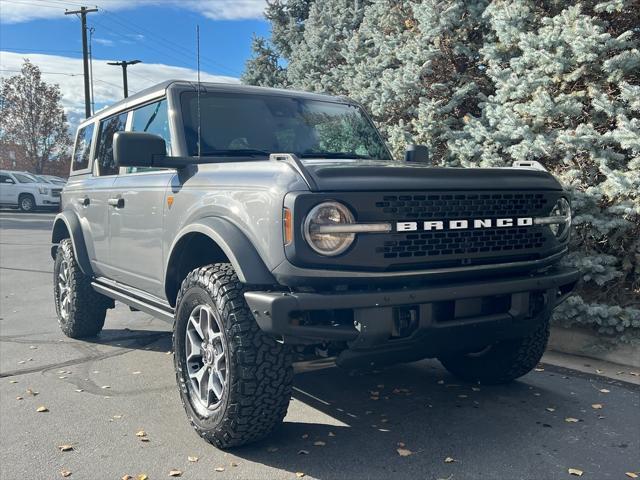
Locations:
464 224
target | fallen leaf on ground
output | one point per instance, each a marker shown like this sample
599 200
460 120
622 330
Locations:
65 448
117 417
126 477
635 374
576 472
319 443
142 476
105 387
18 397
571 420
404 452
137 372
596 406
141 433
81 390
631 475
234 464
13 381
192 458
42 409
604 390
538 369
219 469
300 474
303 452
175 473
449 460
598 370
32 392
550 409
65 473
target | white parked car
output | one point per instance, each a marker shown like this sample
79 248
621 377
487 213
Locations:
25 191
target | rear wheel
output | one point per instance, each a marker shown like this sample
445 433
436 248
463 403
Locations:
501 362
81 310
234 380
27 203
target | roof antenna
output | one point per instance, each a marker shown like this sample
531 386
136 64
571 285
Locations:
198 94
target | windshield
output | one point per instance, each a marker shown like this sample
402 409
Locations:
257 125
24 178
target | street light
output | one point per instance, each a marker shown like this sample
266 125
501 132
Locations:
124 64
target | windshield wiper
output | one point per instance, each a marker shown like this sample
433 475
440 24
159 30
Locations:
333 155
242 152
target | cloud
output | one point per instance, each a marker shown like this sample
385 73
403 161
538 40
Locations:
214 9
104 41
107 87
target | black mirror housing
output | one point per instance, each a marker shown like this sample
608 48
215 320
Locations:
416 153
138 149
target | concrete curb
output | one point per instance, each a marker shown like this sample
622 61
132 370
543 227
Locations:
586 343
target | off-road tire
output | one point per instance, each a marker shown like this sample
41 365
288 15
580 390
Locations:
86 308
27 203
502 362
259 369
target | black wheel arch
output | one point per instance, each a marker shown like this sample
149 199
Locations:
67 225
213 240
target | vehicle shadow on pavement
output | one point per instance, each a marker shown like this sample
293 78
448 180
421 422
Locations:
355 424
151 340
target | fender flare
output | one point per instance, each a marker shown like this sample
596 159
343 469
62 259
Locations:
236 246
72 224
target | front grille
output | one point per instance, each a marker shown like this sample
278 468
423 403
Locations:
423 248
453 206
459 247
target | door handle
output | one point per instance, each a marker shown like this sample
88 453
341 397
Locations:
116 202
84 201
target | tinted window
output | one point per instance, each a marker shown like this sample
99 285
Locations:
152 118
83 148
104 155
6 179
232 123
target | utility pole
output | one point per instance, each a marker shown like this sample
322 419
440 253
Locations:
124 64
85 60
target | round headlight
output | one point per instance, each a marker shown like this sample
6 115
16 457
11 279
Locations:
328 214
562 208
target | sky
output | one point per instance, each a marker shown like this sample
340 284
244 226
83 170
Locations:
160 33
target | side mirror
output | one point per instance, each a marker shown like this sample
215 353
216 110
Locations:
138 149
416 153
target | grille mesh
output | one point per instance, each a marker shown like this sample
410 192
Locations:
459 243
452 206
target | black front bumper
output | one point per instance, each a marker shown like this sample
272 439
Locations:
411 323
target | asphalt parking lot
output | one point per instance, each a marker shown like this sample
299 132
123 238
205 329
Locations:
98 394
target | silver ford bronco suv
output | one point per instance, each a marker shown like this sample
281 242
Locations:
268 225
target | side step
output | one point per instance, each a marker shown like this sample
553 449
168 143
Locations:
121 294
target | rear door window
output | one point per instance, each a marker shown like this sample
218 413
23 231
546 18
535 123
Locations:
83 148
104 154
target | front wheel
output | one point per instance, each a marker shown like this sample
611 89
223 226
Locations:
27 203
234 380
503 361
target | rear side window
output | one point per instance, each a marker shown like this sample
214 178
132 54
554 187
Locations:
83 148
104 155
6 179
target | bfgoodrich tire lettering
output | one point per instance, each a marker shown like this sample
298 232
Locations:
258 372
81 310
502 362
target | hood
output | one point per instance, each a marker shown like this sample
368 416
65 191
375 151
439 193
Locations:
364 175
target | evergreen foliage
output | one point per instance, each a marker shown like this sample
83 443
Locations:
486 83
